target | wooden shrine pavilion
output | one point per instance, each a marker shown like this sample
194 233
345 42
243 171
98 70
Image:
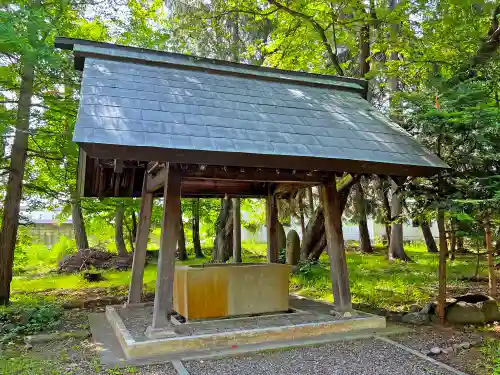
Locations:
153 123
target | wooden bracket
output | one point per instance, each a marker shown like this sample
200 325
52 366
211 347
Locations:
156 182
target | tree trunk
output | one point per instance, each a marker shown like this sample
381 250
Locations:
236 231
132 230
302 221
130 237
476 273
119 241
396 246
443 251
196 229
453 239
387 210
314 231
78 224
310 201
364 235
428 237
492 284
364 49
460 245
134 225
13 194
223 244
235 37
318 249
181 242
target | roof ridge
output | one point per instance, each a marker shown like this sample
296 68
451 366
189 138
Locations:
85 48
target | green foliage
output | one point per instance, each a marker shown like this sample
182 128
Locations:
27 319
63 248
21 258
310 271
255 217
491 349
37 257
28 365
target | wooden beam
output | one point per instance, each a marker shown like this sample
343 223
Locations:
163 303
335 244
157 181
141 244
272 226
246 160
222 187
211 172
236 231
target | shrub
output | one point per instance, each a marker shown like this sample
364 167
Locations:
62 248
311 270
20 253
24 319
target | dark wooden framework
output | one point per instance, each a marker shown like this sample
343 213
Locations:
171 179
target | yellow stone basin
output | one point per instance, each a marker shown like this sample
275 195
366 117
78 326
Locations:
221 290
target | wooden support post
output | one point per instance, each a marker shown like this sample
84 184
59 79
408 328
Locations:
236 231
335 244
141 244
163 303
272 226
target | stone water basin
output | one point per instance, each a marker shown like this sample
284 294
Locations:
230 289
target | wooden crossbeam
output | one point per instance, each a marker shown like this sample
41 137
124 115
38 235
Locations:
193 171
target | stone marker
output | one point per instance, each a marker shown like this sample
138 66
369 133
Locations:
281 235
292 248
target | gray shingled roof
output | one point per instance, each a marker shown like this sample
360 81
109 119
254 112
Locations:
170 107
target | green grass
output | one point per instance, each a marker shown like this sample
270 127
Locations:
251 252
375 281
491 350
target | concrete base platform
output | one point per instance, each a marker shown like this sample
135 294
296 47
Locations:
112 355
309 325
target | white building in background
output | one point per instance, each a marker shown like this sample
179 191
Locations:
351 231
44 226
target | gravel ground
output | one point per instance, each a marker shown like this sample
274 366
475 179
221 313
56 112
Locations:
166 369
136 320
426 337
362 357
70 357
